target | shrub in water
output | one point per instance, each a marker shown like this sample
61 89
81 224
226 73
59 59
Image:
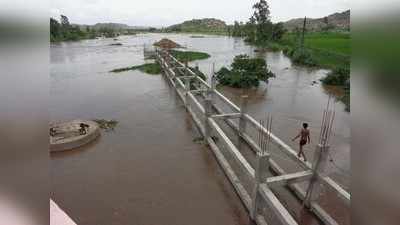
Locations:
245 72
303 56
339 76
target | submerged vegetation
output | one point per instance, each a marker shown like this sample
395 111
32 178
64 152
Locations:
188 56
106 124
300 56
155 68
340 77
197 36
246 72
149 68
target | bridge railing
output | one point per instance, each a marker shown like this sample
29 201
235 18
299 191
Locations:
200 100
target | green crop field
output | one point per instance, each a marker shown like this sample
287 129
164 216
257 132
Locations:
329 49
334 42
338 43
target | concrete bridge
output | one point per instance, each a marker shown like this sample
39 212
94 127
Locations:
244 154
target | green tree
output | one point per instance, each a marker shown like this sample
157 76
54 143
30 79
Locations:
64 31
64 21
236 29
261 16
55 30
246 72
250 30
65 26
278 31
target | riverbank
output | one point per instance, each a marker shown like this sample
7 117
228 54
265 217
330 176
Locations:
327 50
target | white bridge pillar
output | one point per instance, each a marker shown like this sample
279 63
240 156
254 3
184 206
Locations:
319 165
242 119
208 112
261 174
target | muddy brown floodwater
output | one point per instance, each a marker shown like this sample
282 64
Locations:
149 170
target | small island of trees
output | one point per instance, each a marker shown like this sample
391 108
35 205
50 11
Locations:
245 72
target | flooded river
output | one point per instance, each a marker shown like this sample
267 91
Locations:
149 170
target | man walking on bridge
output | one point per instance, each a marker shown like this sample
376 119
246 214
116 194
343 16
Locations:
304 137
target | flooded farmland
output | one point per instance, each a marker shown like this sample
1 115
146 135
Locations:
149 170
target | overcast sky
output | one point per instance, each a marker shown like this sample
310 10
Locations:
167 12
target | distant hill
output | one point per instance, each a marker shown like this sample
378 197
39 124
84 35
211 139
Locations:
200 25
336 21
113 26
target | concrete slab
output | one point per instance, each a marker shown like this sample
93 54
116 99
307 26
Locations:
67 135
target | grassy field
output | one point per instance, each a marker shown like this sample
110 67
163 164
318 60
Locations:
328 50
338 43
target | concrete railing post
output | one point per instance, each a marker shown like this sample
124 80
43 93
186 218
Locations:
213 86
319 164
242 119
207 107
187 86
261 174
168 57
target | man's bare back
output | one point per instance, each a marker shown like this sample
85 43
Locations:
304 135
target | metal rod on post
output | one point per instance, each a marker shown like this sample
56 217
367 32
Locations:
303 32
207 107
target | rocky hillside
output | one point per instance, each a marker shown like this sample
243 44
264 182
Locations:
200 25
336 21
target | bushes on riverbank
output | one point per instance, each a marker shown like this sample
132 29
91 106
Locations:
300 56
246 72
339 76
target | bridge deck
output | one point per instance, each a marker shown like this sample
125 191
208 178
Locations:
200 99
